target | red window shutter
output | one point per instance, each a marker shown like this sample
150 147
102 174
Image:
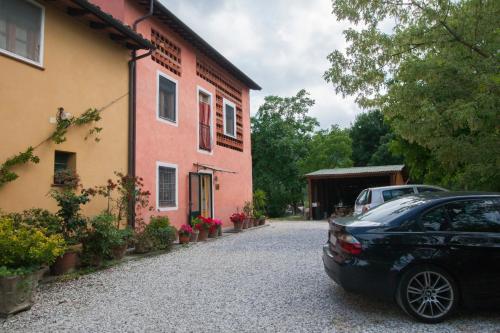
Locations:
205 126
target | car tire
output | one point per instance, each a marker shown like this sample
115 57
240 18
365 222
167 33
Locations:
428 294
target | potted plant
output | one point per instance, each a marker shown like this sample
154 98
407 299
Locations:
99 240
196 231
248 210
157 235
72 222
259 203
218 223
203 225
120 242
185 234
24 250
213 232
237 219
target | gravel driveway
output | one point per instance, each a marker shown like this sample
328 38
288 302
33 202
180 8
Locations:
270 279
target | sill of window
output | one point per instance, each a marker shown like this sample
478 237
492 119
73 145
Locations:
23 61
57 185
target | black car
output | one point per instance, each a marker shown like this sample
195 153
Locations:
429 252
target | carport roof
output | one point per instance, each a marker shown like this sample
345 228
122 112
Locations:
368 170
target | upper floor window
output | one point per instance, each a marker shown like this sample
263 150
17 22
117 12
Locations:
205 135
167 98
21 30
229 118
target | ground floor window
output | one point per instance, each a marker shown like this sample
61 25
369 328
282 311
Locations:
64 167
167 187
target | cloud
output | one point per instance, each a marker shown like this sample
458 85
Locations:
280 44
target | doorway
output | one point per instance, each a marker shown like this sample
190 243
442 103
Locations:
200 195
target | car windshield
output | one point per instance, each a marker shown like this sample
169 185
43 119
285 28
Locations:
391 210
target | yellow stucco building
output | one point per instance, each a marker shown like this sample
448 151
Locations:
65 54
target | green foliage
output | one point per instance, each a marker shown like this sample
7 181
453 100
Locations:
39 218
101 238
157 235
119 193
248 209
371 137
63 124
327 149
25 247
280 132
70 203
434 77
6 174
259 203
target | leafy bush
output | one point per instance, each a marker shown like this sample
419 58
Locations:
39 218
69 211
100 238
24 248
157 235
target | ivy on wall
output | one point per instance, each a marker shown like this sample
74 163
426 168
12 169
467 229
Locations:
64 123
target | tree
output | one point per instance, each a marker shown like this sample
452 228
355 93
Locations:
328 149
434 77
371 137
281 130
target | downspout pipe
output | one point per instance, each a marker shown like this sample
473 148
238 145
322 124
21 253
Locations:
132 115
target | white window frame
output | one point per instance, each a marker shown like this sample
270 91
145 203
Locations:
42 40
224 103
206 92
160 119
167 165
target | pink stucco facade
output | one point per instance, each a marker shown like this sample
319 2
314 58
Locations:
177 145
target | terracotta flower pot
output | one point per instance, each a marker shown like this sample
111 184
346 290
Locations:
203 235
118 252
245 224
255 222
219 231
238 225
67 262
17 293
184 238
194 236
213 233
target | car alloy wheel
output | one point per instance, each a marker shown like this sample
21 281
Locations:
428 294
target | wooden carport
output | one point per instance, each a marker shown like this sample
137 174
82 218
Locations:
329 188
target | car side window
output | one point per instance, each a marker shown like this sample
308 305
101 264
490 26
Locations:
435 220
475 215
422 189
362 198
393 194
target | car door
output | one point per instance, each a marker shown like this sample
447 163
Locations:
474 246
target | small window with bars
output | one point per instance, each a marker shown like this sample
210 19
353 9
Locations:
167 187
167 99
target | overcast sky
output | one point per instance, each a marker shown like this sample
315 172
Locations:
281 44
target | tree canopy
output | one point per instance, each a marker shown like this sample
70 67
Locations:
281 130
371 139
435 77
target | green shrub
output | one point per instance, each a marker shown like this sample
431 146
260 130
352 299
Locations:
100 238
39 218
157 235
24 248
69 211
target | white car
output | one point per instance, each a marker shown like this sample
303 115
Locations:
372 197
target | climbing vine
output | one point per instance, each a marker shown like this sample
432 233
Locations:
6 175
64 123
